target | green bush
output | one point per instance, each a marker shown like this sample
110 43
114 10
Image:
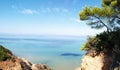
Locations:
4 53
92 43
105 40
4 56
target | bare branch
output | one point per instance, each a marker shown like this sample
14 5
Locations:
102 23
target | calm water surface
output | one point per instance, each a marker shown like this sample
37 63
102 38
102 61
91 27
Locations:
60 53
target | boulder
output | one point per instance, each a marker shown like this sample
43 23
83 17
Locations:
101 61
40 67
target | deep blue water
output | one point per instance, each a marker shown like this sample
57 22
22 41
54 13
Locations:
60 53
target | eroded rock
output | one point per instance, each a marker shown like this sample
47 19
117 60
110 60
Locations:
102 61
40 67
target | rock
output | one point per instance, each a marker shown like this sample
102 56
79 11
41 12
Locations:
78 68
22 64
26 61
90 63
17 67
15 63
40 67
0 68
101 61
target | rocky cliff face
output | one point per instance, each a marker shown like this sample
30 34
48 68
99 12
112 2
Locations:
15 63
22 64
101 61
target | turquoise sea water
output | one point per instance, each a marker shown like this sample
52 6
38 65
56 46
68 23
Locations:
58 52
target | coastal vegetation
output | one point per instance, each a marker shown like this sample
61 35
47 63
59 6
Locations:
106 17
107 42
5 54
8 61
102 41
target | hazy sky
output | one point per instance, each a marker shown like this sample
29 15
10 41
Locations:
46 17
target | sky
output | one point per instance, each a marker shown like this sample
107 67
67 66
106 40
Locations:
45 17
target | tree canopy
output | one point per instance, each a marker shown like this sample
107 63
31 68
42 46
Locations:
114 4
107 42
107 16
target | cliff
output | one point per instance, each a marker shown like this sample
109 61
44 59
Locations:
8 61
103 61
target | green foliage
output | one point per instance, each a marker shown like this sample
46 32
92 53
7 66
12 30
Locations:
114 4
106 2
83 15
3 49
88 12
85 46
107 16
4 56
97 16
105 40
92 43
4 53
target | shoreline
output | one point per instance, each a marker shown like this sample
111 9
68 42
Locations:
9 61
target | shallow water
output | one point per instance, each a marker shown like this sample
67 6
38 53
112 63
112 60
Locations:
60 53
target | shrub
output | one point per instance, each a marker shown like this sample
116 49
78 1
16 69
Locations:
4 56
105 40
4 53
92 43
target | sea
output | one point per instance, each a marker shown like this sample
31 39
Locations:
58 52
